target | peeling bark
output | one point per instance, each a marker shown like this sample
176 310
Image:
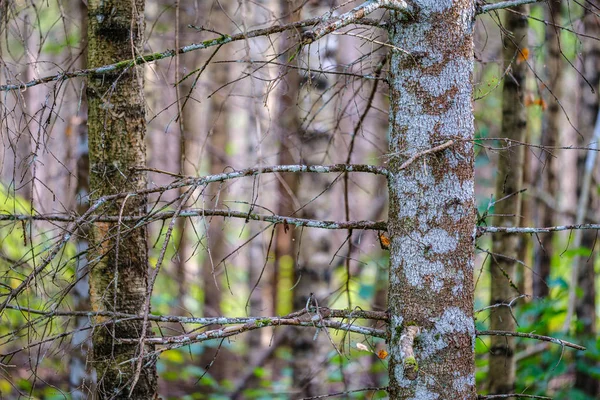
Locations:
431 216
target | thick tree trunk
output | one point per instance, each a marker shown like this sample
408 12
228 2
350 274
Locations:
431 216
117 126
508 181
585 306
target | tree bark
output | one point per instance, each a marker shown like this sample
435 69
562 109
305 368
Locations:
431 216
508 181
117 127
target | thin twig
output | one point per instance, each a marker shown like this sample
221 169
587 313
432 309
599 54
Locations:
560 342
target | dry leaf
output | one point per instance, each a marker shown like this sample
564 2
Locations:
384 241
382 354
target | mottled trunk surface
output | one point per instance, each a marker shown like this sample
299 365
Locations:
432 215
550 138
117 126
585 306
508 181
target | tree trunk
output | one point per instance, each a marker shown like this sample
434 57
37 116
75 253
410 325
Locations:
550 137
312 140
585 306
508 181
117 126
431 216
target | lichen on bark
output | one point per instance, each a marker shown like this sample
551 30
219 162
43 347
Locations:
117 151
431 216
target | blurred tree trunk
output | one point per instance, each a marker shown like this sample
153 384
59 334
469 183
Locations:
218 136
524 271
81 379
550 137
117 151
508 182
585 306
310 144
431 219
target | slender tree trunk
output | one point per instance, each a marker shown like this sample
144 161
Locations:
431 216
508 182
117 127
550 137
585 306
315 247
81 380
218 136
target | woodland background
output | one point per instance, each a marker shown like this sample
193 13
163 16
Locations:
242 106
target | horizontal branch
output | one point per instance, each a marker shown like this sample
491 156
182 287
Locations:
323 311
312 320
505 229
201 212
504 4
149 58
512 395
560 342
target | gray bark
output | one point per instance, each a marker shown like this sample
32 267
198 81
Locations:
431 216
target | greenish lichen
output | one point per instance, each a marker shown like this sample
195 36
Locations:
410 364
262 322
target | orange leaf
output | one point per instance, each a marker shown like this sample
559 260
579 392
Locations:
382 354
523 55
384 241
540 102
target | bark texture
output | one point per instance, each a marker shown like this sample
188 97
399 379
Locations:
508 181
585 306
117 126
431 216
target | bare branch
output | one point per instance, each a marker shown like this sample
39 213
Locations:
510 396
504 4
560 342
504 229
201 212
149 58
329 24
424 153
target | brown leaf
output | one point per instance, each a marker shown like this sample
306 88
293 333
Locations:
384 241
